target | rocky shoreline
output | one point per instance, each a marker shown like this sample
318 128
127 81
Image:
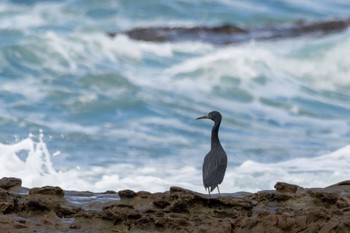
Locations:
289 208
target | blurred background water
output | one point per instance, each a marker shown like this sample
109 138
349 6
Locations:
85 111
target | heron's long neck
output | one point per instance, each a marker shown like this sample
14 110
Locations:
215 135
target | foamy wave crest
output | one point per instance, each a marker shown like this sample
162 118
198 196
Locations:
31 161
319 171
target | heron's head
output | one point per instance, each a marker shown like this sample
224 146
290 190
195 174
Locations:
214 116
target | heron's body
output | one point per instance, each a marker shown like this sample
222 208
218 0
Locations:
215 162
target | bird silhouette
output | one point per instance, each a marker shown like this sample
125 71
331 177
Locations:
215 162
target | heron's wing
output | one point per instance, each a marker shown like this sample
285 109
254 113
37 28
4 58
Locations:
214 168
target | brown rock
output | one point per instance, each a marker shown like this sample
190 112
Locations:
45 199
161 204
143 194
285 187
111 213
345 182
7 202
39 204
324 198
10 182
290 209
342 203
75 226
127 193
272 196
47 190
68 212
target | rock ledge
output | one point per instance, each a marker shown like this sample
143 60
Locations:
289 208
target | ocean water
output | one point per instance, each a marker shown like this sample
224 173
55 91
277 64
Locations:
85 111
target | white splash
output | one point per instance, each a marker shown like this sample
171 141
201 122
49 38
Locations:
30 160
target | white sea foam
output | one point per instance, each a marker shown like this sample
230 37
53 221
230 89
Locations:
307 172
30 94
30 160
203 70
21 20
285 71
24 17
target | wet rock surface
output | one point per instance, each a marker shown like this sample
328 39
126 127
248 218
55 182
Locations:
8 183
230 34
289 208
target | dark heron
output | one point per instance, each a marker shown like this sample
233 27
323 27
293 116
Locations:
215 162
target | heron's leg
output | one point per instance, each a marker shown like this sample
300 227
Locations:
209 190
218 189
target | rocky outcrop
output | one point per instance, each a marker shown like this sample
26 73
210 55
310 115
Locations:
229 34
8 183
289 208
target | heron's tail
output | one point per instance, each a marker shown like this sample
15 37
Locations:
212 188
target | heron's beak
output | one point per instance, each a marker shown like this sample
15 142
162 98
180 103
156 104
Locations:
202 117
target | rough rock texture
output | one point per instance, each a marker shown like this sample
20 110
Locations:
8 183
290 208
228 34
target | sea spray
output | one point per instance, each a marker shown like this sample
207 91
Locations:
30 160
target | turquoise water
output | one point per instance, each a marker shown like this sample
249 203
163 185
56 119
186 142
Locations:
116 113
